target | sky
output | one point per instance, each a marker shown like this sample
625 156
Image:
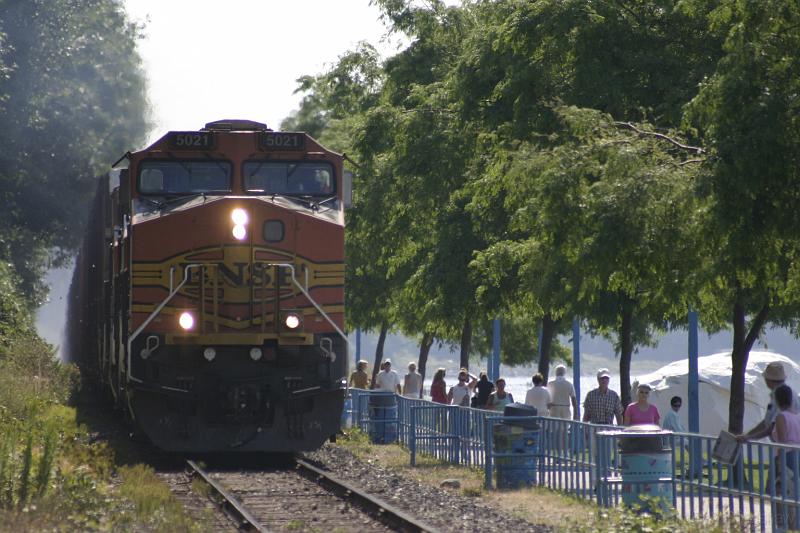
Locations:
208 60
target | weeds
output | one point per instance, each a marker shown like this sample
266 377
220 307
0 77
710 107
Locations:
199 486
53 476
25 474
624 520
471 492
295 525
46 462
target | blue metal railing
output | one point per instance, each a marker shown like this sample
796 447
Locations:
573 458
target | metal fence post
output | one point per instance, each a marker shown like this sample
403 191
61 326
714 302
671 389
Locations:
412 443
457 433
494 366
488 459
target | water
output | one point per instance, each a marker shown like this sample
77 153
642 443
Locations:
518 386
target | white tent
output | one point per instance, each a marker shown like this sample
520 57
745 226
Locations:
714 389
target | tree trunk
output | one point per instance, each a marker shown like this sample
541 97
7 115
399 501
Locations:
379 352
424 349
743 341
548 332
466 343
626 353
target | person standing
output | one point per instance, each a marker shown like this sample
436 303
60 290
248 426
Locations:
439 387
774 376
672 421
460 393
359 379
483 389
602 404
539 396
641 411
787 431
387 379
499 398
412 382
562 395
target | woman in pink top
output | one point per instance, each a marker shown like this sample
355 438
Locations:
641 412
786 431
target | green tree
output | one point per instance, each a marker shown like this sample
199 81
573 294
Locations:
636 61
72 100
598 229
746 112
424 157
637 251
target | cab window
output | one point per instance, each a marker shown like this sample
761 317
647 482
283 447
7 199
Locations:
291 178
184 177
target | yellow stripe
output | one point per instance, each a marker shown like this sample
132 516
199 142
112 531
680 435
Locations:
231 339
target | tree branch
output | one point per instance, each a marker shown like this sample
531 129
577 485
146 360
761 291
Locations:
755 327
680 145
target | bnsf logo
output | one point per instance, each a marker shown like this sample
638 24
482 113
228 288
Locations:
239 274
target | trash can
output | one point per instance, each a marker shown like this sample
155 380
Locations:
521 409
347 411
383 418
516 437
646 467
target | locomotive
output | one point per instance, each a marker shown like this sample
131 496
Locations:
209 290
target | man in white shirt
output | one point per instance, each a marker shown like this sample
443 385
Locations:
562 394
539 396
387 379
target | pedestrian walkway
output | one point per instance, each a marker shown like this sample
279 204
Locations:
585 460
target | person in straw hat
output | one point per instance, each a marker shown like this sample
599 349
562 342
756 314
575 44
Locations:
774 376
359 379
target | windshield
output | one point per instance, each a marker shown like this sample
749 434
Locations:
274 177
184 177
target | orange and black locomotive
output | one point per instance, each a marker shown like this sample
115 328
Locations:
210 289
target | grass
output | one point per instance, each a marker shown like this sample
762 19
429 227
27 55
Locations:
155 507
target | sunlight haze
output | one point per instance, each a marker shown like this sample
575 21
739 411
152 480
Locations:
207 60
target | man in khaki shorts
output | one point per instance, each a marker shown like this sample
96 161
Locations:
562 395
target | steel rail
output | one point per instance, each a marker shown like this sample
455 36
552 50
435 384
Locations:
230 504
385 512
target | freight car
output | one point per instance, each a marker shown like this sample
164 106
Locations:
208 296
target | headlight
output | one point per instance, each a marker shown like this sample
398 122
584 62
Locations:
292 321
239 232
209 353
239 217
186 320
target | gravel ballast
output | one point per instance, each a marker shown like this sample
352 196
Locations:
441 508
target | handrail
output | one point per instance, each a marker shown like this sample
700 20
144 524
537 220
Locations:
310 299
155 313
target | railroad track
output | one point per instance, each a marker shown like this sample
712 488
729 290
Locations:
302 498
